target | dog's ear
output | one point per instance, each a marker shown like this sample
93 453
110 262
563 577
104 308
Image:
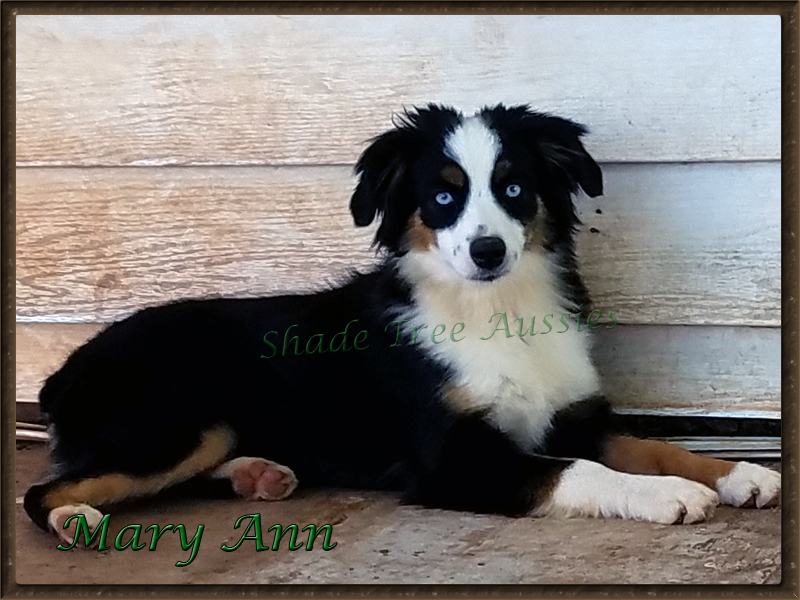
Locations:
381 169
385 188
554 145
558 142
557 157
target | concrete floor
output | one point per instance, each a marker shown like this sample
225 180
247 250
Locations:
381 542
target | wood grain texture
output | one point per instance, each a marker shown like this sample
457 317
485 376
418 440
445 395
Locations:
691 244
703 368
42 349
180 90
708 368
674 244
94 245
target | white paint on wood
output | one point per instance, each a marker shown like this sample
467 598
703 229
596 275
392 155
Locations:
674 243
250 89
708 370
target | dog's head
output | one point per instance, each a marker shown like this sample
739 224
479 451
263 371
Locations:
475 191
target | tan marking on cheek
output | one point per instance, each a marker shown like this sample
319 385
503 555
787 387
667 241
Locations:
419 236
536 230
651 457
454 176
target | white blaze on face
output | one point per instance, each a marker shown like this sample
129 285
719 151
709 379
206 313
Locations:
475 148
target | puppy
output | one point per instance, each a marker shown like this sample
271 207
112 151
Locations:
434 374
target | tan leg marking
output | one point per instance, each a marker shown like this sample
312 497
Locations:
738 483
651 457
215 445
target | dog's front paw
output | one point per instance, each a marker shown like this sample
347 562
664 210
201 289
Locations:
672 500
591 489
750 485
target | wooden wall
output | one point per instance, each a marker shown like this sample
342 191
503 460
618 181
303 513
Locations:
170 157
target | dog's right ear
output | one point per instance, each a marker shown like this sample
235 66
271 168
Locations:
380 169
383 188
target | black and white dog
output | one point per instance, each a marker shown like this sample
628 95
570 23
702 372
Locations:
434 374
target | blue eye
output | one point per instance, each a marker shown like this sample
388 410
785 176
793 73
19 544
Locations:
513 190
444 198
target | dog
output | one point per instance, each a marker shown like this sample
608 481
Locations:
420 376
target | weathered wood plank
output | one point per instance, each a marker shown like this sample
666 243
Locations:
41 349
96 244
673 243
155 90
707 369
686 244
691 367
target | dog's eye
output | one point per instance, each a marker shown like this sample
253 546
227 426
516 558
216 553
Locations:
444 198
513 190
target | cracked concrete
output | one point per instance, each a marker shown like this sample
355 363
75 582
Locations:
380 541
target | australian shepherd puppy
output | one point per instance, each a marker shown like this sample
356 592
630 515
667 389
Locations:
433 374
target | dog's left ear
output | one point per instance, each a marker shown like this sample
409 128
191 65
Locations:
558 142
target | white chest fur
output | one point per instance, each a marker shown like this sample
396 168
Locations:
522 380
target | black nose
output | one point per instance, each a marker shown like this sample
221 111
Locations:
488 252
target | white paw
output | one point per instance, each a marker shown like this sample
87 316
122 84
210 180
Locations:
749 484
671 500
58 516
591 489
258 478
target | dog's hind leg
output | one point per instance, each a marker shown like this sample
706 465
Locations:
50 504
